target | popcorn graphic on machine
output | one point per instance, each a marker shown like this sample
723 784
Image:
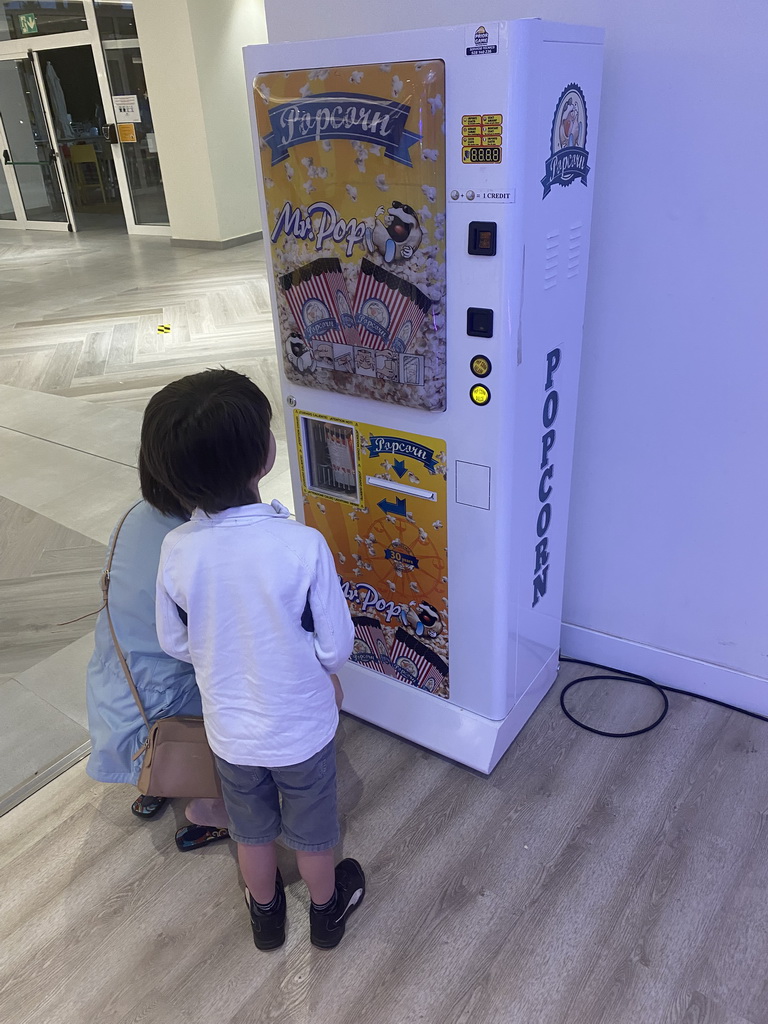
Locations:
428 289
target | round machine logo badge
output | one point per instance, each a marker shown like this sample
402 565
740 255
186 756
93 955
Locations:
401 557
568 141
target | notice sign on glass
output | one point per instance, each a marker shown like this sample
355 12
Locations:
127 108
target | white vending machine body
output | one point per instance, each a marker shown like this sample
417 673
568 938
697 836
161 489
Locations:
426 201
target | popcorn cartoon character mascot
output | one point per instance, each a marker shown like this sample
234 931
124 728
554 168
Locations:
570 127
298 353
396 233
423 619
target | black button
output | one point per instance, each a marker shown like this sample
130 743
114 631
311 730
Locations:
482 238
479 322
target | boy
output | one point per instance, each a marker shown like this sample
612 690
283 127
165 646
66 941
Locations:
266 625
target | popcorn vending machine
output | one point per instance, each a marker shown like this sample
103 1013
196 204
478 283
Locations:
426 201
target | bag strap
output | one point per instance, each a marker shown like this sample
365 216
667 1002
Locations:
105 580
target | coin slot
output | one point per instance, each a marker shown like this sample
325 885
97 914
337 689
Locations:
482 238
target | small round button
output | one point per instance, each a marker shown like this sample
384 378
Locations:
480 366
455 194
470 194
480 394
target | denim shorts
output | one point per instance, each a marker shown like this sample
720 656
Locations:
298 801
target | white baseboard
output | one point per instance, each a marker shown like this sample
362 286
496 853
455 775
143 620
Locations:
716 681
224 243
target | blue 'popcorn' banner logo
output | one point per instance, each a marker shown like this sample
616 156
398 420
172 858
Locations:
568 143
342 115
400 446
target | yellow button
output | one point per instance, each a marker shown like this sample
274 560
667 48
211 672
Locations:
480 366
480 394
492 119
472 140
472 119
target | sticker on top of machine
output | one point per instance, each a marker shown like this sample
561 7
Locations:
353 165
482 39
568 159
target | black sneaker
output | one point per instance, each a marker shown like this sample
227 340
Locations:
326 927
269 928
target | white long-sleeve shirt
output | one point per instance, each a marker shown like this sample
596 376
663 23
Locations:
244 577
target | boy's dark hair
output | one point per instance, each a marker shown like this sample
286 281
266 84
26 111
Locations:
204 438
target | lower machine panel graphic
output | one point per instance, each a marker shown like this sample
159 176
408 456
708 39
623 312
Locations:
378 496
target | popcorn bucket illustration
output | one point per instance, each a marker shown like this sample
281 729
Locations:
416 664
388 310
319 301
370 645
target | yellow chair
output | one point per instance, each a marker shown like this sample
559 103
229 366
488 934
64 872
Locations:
87 170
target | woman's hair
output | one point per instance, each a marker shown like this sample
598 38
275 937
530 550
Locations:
203 441
156 495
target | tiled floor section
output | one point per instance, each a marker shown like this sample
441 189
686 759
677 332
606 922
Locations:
80 355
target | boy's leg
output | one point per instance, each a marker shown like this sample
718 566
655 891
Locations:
318 869
258 865
310 826
253 809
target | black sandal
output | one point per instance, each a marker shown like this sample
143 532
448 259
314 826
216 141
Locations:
148 806
192 837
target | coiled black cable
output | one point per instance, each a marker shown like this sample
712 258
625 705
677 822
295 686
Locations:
632 677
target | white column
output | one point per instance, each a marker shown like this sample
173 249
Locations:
192 53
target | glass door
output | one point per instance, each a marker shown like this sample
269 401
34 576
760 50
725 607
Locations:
77 125
87 158
120 57
32 175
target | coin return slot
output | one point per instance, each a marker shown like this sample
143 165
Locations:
393 485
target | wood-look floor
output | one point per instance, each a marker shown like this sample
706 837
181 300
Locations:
587 881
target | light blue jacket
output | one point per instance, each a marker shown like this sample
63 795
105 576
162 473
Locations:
166 686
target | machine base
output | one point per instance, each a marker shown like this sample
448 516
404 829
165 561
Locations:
438 725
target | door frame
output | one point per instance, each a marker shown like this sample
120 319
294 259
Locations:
31 46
